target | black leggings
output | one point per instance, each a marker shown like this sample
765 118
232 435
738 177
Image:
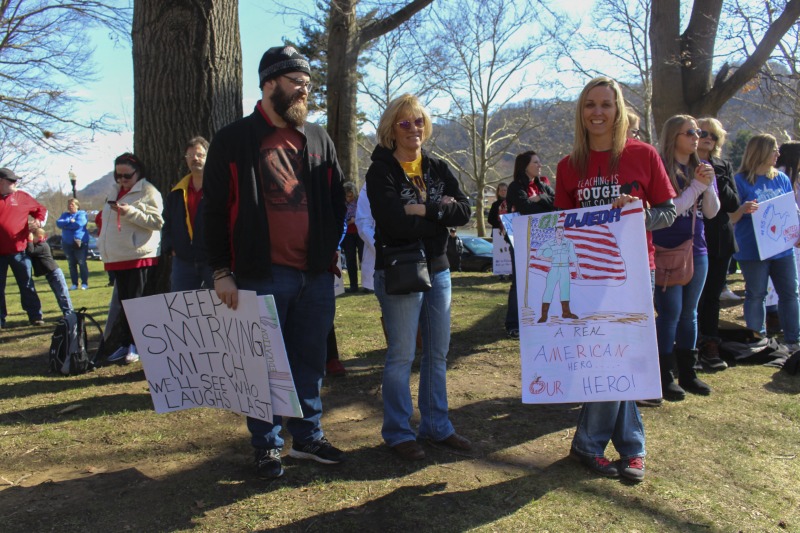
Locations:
708 307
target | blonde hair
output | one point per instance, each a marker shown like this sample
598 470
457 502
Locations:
759 151
579 158
74 201
669 137
405 104
712 125
38 233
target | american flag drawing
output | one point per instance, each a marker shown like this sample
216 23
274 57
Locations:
598 254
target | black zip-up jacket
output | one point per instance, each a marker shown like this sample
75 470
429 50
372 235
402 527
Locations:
518 201
236 226
41 258
389 189
494 214
175 234
719 230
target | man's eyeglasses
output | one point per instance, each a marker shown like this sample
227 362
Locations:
121 176
692 133
406 124
704 134
300 82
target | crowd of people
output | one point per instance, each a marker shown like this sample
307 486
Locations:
265 207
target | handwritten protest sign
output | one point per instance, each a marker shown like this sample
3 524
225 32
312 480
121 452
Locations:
197 352
587 325
776 225
281 384
501 254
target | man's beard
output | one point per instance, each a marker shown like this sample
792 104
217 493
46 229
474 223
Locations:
284 104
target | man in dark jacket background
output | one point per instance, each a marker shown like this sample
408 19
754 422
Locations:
274 216
183 235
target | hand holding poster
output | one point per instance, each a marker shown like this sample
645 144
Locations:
775 225
587 325
197 352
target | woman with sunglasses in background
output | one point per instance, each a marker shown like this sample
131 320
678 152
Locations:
530 193
719 241
676 323
758 180
130 240
414 197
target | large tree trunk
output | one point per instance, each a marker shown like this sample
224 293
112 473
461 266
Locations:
343 83
346 37
187 73
187 80
682 64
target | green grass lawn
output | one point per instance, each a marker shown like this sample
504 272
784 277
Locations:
87 453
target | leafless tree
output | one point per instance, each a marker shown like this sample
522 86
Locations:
44 57
490 45
683 80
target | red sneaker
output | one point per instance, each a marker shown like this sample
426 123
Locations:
334 367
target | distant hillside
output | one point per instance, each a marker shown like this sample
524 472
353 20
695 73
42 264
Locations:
97 187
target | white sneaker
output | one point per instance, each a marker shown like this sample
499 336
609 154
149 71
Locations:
119 353
132 355
729 296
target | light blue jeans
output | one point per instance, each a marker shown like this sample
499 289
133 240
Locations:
676 323
402 315
618 422
783 272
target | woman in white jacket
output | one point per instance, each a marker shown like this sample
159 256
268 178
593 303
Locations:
130 239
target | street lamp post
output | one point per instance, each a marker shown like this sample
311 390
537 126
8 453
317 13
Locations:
72 179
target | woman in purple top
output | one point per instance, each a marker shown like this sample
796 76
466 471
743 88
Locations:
676 324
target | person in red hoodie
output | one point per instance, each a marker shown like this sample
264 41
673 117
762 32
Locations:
15 209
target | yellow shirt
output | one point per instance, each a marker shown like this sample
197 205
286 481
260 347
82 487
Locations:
414 171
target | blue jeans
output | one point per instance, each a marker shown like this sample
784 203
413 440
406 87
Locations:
76 257
676 323
190 275
783 272
59 286
306 307
403 314
20 265
618 422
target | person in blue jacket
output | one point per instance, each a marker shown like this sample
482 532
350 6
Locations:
75 242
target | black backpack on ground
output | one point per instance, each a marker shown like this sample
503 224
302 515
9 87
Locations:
69 344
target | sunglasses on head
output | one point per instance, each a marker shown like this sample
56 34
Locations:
406 124
704 134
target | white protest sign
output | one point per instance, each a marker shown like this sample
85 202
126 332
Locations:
587 325
507 220
776 225
281 384
501 254
197 352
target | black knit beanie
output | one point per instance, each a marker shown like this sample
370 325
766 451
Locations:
280 60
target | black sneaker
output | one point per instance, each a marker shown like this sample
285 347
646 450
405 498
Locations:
633 468
268 463
319 450
653 402
601 465
513 333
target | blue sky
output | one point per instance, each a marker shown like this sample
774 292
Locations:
112 93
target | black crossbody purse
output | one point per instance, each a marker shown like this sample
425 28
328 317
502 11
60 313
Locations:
406 266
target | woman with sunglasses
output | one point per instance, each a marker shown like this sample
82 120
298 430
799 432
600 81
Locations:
130 240
676 323
414 197
719 241
529 193
758 180
607 168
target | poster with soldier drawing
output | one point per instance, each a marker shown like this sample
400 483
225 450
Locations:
587 325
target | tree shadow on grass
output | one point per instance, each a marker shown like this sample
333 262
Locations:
89 407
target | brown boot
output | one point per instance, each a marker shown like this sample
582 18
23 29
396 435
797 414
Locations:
545 309
565 312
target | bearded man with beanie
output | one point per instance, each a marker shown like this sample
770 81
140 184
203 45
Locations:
274 215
